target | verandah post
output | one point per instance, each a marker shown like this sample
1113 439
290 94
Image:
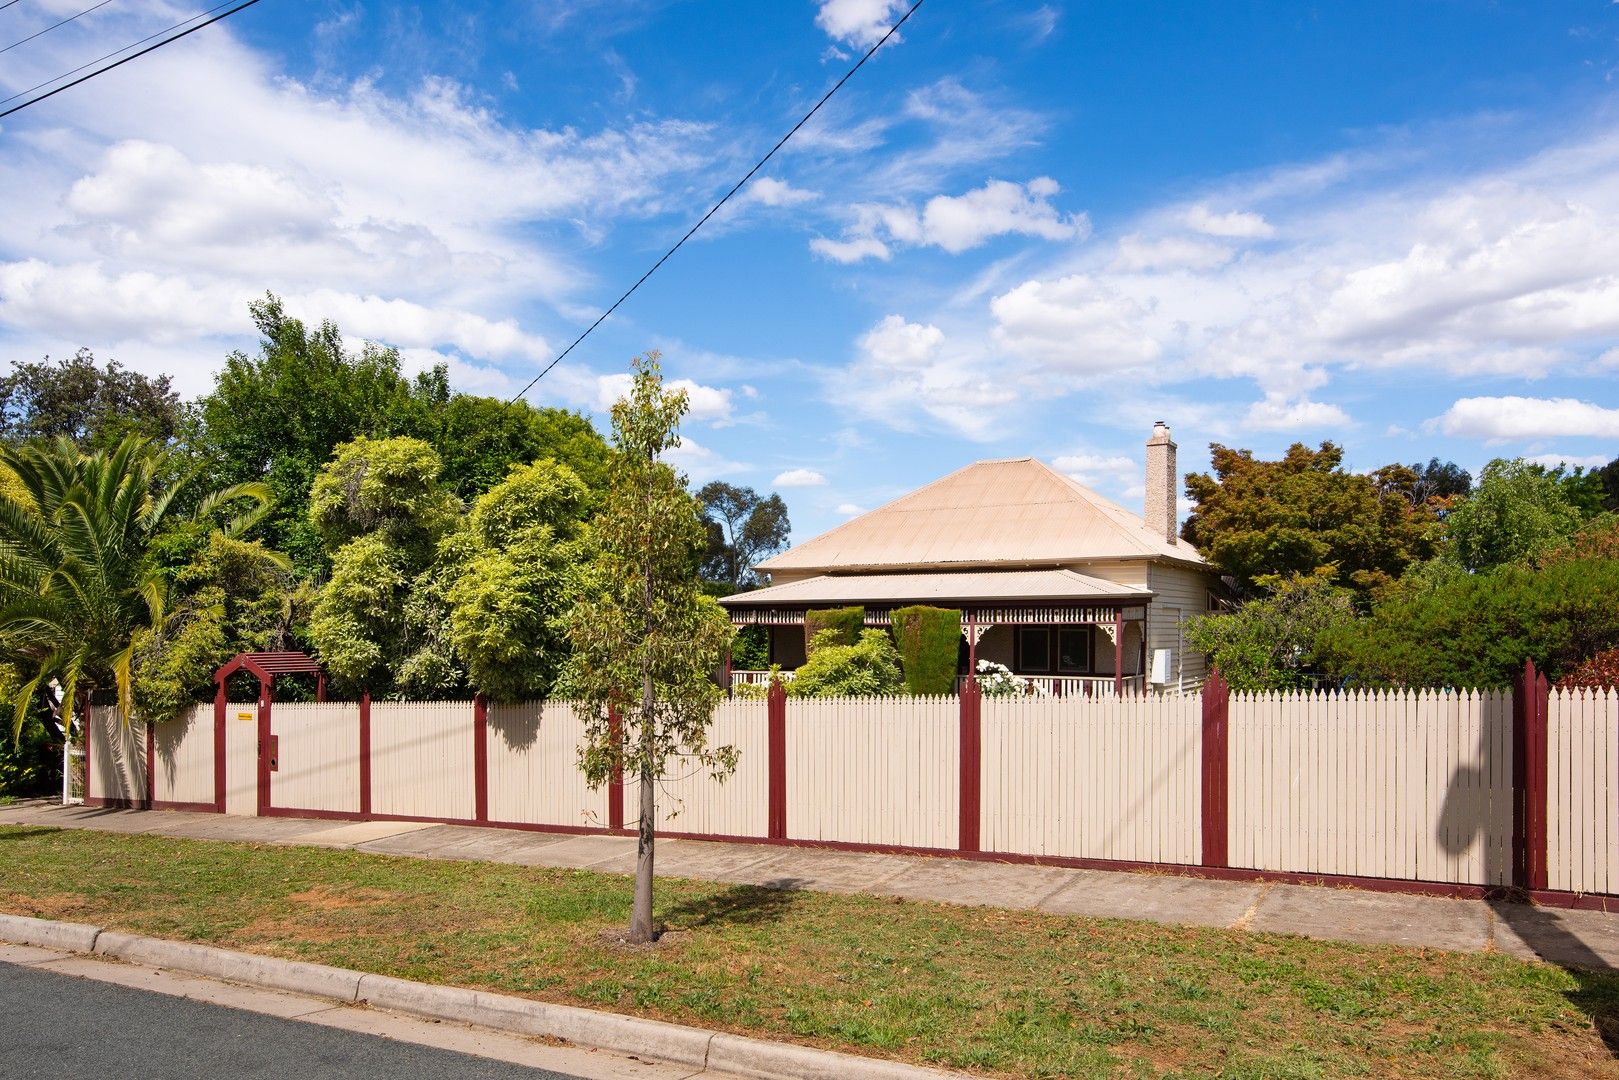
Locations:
776 750
971 758
1531 701
1216 755
480 758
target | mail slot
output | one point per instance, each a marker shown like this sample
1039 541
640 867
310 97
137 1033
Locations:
274 748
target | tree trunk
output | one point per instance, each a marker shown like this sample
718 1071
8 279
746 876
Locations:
641 917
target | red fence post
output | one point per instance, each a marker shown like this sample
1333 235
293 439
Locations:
151 765
615 787
1216 754
219 749
266 748
480 758
365 752
776 736
972 771
1531 704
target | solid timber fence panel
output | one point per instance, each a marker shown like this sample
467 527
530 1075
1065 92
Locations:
874 770
534 776
1392 784
1582 790
319 752
117 758
421 759
241 758
690 800
183 759
1093 778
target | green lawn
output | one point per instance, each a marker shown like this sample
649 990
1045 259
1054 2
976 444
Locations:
1010 993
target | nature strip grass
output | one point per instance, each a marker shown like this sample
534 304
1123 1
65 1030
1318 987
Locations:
1011 993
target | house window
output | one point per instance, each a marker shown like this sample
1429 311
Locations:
1033 649
1074 651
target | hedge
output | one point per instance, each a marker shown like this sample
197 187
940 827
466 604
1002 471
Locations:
929 641
845 623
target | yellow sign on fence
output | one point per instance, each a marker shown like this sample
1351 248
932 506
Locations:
245 714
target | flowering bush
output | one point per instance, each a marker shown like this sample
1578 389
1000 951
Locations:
997 680
1601 672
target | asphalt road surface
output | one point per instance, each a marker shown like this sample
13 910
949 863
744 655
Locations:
59 1027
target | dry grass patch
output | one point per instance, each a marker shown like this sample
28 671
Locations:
1003 992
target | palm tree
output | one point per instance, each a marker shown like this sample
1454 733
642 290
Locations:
76 584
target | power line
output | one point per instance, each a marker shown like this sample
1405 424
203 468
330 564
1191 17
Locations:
892 30
7 4
53 26
125 60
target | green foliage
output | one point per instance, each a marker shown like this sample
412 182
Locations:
358 623
1517 512
480 439
645 637
232 596
870 667
389 487
30 761
514 570
277 417
832 626
1271 642
743 529
77 585
95 407
1264 521
929 641
1446 627
751 649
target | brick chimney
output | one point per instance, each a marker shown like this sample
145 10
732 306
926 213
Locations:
1161 483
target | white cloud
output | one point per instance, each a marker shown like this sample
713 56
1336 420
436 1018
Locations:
958 223
706 403
768 191
1571 461
903 366
858 22
850 509
1078 324
1136 252
1235 224
1497 419
1095 470
701 464
796 478
1278 413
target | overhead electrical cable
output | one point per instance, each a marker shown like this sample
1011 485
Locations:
54 25
125 60
892 30
7 4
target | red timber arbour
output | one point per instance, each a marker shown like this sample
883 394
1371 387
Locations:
267 667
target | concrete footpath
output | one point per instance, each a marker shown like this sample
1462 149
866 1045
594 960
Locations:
1586 939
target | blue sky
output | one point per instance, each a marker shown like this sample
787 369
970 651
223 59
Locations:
1025 228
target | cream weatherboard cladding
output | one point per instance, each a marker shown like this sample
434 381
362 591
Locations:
534 767
183 757
319 756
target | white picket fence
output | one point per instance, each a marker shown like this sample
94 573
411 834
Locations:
1395 785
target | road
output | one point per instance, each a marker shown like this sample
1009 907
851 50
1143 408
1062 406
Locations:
62 1027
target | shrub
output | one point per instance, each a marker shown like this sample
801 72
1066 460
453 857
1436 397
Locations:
1270 643
929 641
870 667
844 624
1601 672
997 680
751 649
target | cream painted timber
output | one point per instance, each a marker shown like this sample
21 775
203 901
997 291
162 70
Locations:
117 756
421 759
874 770
534 776
1582 790
242 758
1392 784
318 757
184 757
1179 593
1100 778
690 800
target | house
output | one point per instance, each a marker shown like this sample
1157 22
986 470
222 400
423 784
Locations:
1053 581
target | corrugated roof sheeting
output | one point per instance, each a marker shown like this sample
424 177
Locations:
995 586
1014 511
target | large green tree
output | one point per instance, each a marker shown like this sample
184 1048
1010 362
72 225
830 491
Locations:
1517 512
1271 642
744 528
77 583
1263 521
95 407
480 439
645 637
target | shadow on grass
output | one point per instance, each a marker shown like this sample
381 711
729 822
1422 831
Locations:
29 832
1544 931
740 905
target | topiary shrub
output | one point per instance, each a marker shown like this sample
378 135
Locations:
844 624
868 668
929 646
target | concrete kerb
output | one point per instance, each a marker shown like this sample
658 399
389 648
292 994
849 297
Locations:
703 1049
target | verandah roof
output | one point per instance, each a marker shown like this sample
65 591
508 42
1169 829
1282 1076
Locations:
998 587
